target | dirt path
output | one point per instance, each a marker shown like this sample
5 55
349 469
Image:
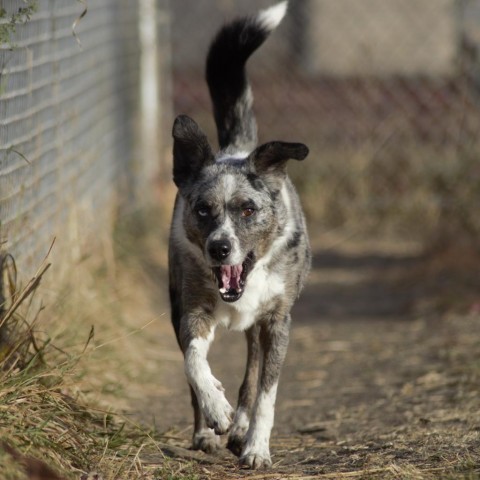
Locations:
368 389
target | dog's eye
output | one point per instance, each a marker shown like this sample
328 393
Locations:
248 212
203 212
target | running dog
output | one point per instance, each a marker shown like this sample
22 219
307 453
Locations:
238 250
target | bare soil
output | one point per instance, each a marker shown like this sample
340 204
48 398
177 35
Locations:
371 388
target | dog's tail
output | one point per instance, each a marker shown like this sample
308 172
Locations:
227 80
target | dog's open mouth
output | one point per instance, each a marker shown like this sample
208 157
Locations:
232 279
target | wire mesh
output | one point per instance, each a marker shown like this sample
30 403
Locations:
66 122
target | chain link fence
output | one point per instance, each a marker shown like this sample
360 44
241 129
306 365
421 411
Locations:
70 111
385 92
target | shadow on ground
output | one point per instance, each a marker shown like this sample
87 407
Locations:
346 286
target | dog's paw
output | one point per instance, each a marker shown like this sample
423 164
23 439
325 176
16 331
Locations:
256 453
255 460
236 443
218 412
205 440
238 432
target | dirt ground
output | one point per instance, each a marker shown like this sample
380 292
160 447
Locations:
371 388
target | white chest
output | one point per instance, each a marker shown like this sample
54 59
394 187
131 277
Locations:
261 287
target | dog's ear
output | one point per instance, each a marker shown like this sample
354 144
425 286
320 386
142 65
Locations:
272 157
191 150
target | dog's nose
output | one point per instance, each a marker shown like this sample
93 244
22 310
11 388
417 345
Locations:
220 249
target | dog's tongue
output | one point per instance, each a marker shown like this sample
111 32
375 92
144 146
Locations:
230 275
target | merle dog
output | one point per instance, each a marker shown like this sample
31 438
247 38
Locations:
239 252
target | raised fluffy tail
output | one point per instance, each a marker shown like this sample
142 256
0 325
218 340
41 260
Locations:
227 80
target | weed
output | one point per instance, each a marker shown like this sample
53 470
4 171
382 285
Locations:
9 21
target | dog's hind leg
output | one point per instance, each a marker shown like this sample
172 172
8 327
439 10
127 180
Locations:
247 393
274 336
204 438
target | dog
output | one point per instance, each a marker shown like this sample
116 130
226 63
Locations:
238 249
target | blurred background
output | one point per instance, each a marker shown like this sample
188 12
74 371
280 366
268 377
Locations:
383 373
386 93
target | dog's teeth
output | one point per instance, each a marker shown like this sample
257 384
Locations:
223 290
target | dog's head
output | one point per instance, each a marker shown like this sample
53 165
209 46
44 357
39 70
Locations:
233 208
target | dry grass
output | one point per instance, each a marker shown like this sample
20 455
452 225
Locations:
418 192
68 370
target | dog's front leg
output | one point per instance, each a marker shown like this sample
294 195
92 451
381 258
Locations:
208 390
247 393
274 336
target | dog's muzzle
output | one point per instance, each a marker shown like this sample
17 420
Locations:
232 279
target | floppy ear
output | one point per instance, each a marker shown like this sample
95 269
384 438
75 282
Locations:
272 157
191 150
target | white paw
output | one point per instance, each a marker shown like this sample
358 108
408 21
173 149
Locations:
218 412
205 440
255 460
256 453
